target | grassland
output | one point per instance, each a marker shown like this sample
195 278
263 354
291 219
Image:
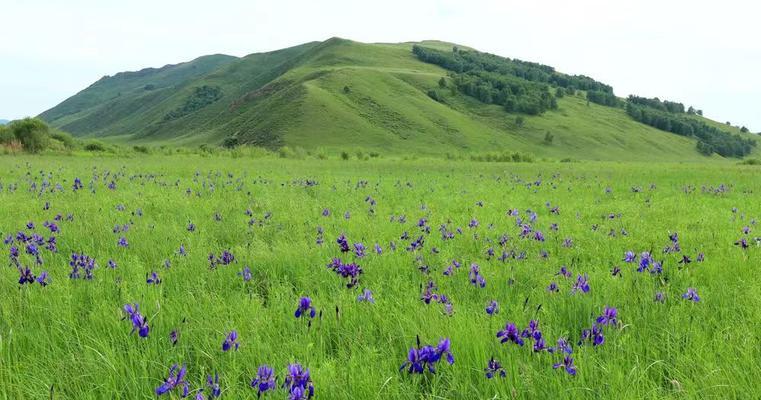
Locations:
69 339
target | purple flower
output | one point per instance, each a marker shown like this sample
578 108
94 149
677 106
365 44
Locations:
174 379
553 287
494 368
43 279
325 212
691 295
245 274
492 308
152 278
608 316
25 275
139 322
475 276
174 336
112 264
265 379
367 296
213 384
343 243
567 365
231 340
563 347
359 250
581 284
298 382
630 257
122 242
305 304
510 334
564 272
660 297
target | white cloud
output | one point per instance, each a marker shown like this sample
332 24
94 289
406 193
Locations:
703 53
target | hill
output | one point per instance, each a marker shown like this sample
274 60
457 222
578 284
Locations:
4 121
341 94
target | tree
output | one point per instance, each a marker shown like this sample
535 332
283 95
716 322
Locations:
33 134
744 129
230 142
347 90
442 82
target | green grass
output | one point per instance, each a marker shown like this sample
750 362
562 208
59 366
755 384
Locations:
296 97
70 335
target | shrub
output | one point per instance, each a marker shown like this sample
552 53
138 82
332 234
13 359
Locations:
63 137
33 134
750 161
344 155
95 146
141 149
230 142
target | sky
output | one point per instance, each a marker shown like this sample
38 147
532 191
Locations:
702 53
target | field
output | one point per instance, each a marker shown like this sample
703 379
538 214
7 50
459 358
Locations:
198 223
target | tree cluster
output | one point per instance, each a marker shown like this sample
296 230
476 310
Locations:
710 139
201 97
517 85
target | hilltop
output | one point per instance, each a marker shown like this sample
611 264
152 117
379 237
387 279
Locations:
340 94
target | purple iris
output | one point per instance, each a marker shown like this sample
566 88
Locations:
425 358
691 295
245 274
567 365
359 250
176 378
43 279
564 272
213 384
305 305
343 243
608 317
630 257
475 276
139 322
265 380
25 275
231 340
553 287
581 284
510 334
367 296
660 297
152 278
122 242
492 308
298 382
494 368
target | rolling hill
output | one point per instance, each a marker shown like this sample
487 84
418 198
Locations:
341 94
4 121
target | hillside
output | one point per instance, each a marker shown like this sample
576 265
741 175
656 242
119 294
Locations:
4 121
340 94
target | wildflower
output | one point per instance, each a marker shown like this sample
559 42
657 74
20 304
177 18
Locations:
475 276
42 279
112 264
563 347
660 297
359 250
564 272
305 304
581 284
265 379
213 384
174 379
567 365
139 322
510 334
343 244
25 275
492 308
231 340
608 316
367 296
152 278
616 271
298 382
245 273
630 257
743 243
174 336
122 242
553 287
494 368
691 295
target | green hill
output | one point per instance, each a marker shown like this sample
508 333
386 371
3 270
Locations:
4 121
340 94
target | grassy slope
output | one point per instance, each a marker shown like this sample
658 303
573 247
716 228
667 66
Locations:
296 97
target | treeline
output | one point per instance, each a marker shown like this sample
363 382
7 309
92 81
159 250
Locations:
671 117
517 85
603 98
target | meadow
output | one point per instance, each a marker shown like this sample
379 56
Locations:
641 279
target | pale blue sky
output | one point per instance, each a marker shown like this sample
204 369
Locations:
702 53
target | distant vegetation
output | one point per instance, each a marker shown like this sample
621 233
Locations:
32 135
518 86
671 117
200 98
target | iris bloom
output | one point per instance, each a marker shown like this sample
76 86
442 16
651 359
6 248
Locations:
510 334
305 305
492 308
691 295
567 365
265 380
231 341
494 368
608 316
176 378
